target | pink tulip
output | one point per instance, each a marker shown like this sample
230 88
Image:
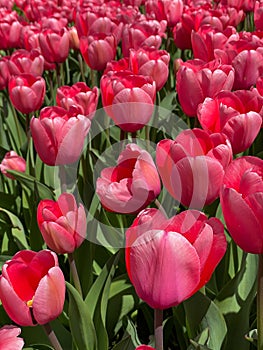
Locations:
79 95
12 161
98 49
150 62
128 99
4 72
54 46
62 223
203 80
192 166
168 260
58 135
132 184
145 347
241 199
23 61
32 287
142 33
258 15
27 92
9 338
10 29
235 114
171 11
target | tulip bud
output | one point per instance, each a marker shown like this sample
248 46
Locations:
62 223
12 161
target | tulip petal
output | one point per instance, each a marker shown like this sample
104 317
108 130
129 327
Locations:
49 297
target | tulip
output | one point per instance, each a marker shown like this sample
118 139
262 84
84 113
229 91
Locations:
128 99
145 347
10 29
151 62
54 46
132 184
62 223
4 72
79 95
26 92
9 338
192 166
168 260
12 161
235 114
23 61
59 136
32 287
142 33
203 80
242 205
258 15
98 49
171 11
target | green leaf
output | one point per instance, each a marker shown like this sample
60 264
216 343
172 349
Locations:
202 313
130 328
80 320
125 344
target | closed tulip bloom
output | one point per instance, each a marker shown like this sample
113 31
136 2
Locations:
9 338
12 161
23 61
241 201
203 80
58 136
192 166
258 15
62 223
128 99
98 49
54 46
151 62
32 287
168 260
236 114
4 72
79 95
132 184
171 11
27 92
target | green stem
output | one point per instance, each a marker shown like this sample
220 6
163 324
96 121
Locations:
74 273
81 66
63 178
260 302
158 329
160 207
52 337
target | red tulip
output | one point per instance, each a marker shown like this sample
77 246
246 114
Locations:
258 15
132 184
145 347
10 29
128 99
23 61
235 114
168 260
151 62
171 11
62 223
32 287
54 46
26 92
142 33
58 136
9 338
79 95
192 166
203 80
12 161
242 203
98 49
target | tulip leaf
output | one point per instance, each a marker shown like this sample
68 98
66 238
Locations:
202 313
31 183
80 320
125 344
235 300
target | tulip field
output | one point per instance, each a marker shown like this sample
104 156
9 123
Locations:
131 174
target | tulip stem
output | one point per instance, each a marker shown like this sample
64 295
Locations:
52 337
158 329
74 273
160 207
260 302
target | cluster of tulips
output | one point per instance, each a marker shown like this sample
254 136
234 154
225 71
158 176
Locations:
61 63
